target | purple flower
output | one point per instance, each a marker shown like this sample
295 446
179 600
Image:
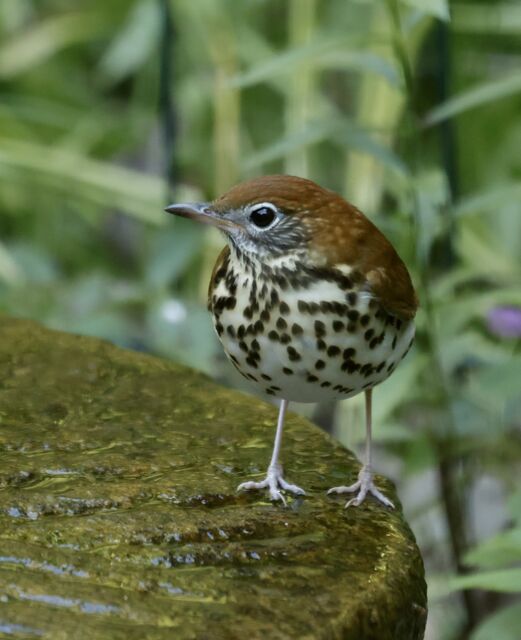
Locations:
505 322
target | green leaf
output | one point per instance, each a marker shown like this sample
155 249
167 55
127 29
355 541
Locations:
502 549
489 201
482 94
171 252
504 581
10 271
437 8
398 388
34 46
501 625
98 181
492 17
495 385
326 54
337 130
134 43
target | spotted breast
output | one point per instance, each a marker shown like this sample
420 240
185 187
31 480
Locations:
305 334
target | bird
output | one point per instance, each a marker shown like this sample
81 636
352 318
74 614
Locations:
310 302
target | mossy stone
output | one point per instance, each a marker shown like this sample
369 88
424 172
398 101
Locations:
119 516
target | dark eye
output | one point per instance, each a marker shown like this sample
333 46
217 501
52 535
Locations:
262 216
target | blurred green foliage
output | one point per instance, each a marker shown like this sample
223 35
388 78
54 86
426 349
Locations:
108 110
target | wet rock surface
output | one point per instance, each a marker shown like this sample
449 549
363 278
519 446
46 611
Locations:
119 517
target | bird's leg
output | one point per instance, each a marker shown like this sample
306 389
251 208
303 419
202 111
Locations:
274 479
364 484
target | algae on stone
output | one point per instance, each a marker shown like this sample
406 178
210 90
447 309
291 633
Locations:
119 516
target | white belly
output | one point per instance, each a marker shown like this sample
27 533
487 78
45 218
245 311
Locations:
310 344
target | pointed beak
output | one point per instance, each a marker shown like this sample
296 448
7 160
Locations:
201 212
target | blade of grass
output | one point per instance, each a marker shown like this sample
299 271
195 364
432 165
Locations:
478 96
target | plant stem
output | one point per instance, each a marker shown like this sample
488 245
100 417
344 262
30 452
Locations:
300 92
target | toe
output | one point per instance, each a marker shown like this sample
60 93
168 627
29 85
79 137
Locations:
245 486
380 496
275 495
291 487
350 489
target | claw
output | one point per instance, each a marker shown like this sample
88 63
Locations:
363 485
273 480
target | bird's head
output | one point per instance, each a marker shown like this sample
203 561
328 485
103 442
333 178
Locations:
287 221
273 216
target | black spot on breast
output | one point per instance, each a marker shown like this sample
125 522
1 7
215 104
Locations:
255 345
287 371
251 377
273 335
243 346
326 307
352 298
380 367
353 315
274 297
366 370
284 308
344 282
259 326
351 327
230 330
252 362
234 359
313 307
293 354
312 378
325 384
398 324
321 345
219 328
302 306
364 320
333 350
350 366
369 334
281 282
320 328
220 274
338 325
265 315
265 376
320 364
282 324
296 329
241 331
350 352
393 346
285 338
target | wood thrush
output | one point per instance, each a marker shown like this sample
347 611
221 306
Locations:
310 302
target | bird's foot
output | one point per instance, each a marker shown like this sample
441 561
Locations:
275 482
363 485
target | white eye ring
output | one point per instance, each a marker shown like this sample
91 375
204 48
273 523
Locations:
263 215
